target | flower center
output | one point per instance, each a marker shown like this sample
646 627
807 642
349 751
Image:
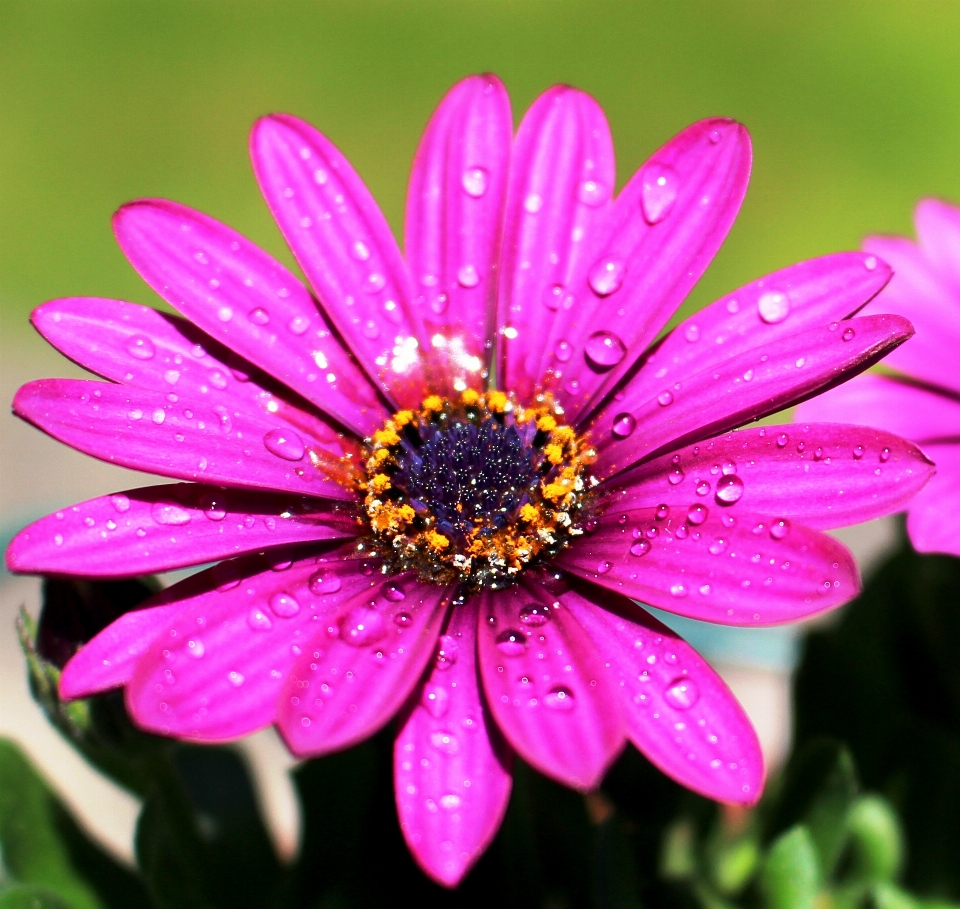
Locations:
473 490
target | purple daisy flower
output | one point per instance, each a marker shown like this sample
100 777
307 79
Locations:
920 401
434 488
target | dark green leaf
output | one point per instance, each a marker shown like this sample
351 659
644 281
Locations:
875 839
790 875
29 896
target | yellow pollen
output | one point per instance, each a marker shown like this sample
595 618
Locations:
436 540
554 453
386 436
402 417
381 455
433 402
496 401
470 397
546 423
562 435
529 513
380 483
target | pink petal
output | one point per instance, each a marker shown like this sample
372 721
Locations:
109 659
921 414
938 229
804 296
933 522
748 386
344 246
546 686
143 431
216 669
561 186
136 345
661 234
451 767
249 302
679 712
453 224
823 475
361 665
919 293
746 569
160 528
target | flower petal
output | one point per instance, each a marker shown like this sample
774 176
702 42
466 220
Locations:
249 302
108 660
746 569
453 226
189 440
921 414
137 345
679 712
804 296
361 666
919 293
546 686
160 528
933 521
216 669
345 248
748 386
822 474
451 767
661 234
938 229
561 185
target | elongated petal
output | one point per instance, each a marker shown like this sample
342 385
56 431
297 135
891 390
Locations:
249 302
933 522
109 659
451 767
189 440
453 227
746 387
160 528
561 187
216 669
678 711
345 248
136 345
361 666
546 686
921 414
807 295
664 229
938 230
920 293
822 474
743 569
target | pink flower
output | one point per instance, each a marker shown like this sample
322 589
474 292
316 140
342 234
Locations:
921 401
398 537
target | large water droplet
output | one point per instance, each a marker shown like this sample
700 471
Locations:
779 529
665 398
141 347
323 582
284 444
682 694
120 502
604 567
362 625
511 643
604 349
848 335
213 507
607 276
640 548
394 593
623 425
559 698
729 489
535 614
773 307
658 192
468 276
258 620
474 181
563 351
697 514
446 652
284 605
169 513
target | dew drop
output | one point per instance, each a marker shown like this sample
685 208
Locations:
511 643
682 694
159 415
375 283
168 513
640 548
323 582
370 329
563 351
450 801
858 452
729 489
435 700
782 440
559 698
703 488
258 620
284 444
141 347
678 590
604 349
446 652
604 567
394 593
213 508
446 742
593 193
468 276
773 307
717 547
848 335
535 614
623 425
120 502
362 625
665 398
284 605
658 192
224 313
236 679
607 276
885 455
218 379
259 316
676 476
474 181
533 203
298 325
779 529
697 514
552 295
692 333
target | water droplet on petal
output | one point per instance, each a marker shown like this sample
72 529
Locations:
323 582
697 514
141 347
375 283
717 547
665 398
604 567
258 620
559 698
435 700
640 548
848 335
468 277
658 192
676 476
450 801
604 349
224 313
779 529
445 742
511 643
394 593
858 452
773 307
236 679
474 181
159 415
702 488
446 652
213 508
120 502
284 605
607 276
782 440
682 694
885 455
298 325
692 333
259 316
623 425
552 295
678 590
593 193
168 513
729 489
284 444
535 614
362 625
533 203
359 251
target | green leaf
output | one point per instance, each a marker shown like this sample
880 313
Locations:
818 790
29 896
875 839
732 864
790 876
